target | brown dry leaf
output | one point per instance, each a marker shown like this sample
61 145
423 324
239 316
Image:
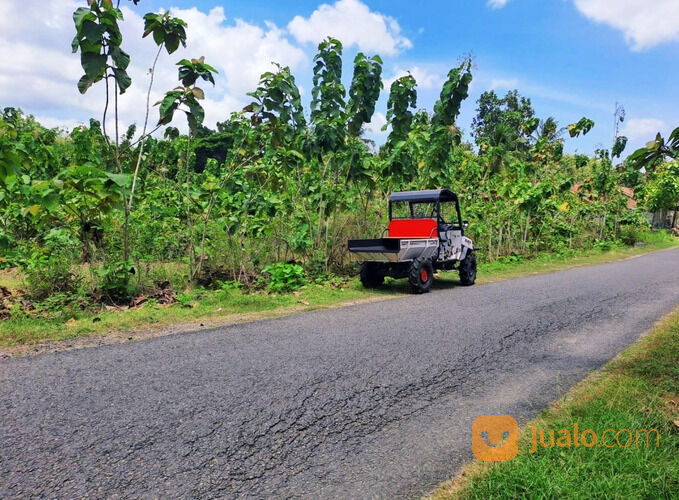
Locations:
138 301
296 293
676 423
71 322
304 302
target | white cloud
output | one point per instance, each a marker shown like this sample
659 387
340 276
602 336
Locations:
39 74
425 79
67 124
497 4
644 129
504 83
644 23
243 51
352 22
378 121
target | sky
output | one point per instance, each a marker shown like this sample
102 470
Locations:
572 58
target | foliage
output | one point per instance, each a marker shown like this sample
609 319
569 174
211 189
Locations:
662 192
99 40
364 92
167 31
188 94
271 186
48 276
402 98
499 122
283 277
656 151
277 106
583 126
116 283
328 96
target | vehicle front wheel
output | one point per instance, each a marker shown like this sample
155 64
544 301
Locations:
421 275
372 275
468 269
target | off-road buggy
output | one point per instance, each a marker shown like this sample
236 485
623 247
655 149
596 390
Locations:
425 234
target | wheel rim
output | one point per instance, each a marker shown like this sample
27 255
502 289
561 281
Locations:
424 275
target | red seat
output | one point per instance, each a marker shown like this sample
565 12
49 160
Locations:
413 228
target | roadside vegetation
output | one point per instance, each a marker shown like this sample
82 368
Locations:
201 306
637 390
98 220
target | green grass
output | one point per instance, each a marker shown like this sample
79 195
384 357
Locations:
233 305
638 390
195 306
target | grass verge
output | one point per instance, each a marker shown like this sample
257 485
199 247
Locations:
637 390
204 305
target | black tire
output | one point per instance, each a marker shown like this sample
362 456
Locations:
421 275
468 269
372 275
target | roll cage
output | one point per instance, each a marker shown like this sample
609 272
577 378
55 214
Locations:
435 196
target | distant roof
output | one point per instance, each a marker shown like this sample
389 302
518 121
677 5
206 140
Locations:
424 196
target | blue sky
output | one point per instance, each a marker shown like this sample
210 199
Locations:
573 58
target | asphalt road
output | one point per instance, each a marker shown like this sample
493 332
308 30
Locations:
370 401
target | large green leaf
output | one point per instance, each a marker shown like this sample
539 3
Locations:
84 84
120 58
123 79
92 32
168 106
121 180
81 15
93 64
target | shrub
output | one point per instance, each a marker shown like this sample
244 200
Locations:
629 235
116 281
283 277
53 275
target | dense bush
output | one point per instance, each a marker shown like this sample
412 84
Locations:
283 277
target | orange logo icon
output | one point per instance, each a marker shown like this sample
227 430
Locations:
495 438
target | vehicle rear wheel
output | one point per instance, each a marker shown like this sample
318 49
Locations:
421 275
372 275
468 269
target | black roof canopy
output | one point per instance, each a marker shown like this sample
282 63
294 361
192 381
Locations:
428 195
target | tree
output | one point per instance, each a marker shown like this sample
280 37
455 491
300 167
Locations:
185 98
327 96
277 105
656 151
366 85
444 132
402 98
500 121
662 191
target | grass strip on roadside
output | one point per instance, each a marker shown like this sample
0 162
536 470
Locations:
204 305
639 389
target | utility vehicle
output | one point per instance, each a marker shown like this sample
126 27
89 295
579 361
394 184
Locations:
425 234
